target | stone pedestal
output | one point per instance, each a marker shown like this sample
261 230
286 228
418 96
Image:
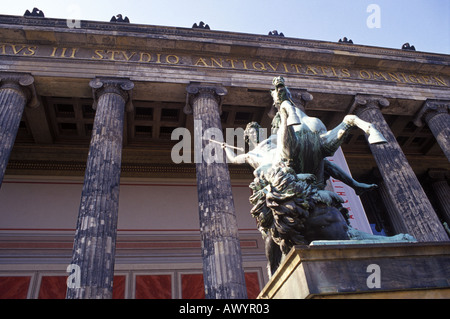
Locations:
389 270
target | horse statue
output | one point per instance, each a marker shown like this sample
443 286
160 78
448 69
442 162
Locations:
290 203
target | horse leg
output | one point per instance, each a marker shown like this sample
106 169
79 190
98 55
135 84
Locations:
292 116
374 136
273 255
287 140
334 138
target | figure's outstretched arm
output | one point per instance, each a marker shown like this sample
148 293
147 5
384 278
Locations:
336 172
232 157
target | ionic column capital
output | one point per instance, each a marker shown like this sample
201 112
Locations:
195 90
363 102
429 109
119 86
23 83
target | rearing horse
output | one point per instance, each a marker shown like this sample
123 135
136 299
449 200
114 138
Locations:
289 201
289 206
304 142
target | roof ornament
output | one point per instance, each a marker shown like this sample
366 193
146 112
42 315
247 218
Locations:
275 33
201 25
119 18
345 40
406 46
35 13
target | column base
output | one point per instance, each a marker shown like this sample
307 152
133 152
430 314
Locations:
362 271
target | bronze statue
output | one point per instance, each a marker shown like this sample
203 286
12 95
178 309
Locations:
262 155
290 203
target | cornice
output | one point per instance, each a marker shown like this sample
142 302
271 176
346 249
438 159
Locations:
218 37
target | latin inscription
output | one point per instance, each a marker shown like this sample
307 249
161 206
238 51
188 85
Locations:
145 57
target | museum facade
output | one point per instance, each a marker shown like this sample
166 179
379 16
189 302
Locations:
88 107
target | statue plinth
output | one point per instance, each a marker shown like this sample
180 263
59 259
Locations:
387 270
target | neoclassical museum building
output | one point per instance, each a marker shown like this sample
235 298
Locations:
102 197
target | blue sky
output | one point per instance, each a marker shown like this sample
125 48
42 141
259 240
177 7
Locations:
422 23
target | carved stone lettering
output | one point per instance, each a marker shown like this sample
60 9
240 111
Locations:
215 62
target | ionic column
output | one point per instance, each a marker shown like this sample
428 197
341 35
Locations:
436 115
223 273
412 206
95 236
439 183
16 91
396 219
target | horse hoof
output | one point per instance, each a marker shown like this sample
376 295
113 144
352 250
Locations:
293 119
376 137
291 122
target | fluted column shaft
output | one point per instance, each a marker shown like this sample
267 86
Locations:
397 221
223 273
15 92
439 183
95 236
412 206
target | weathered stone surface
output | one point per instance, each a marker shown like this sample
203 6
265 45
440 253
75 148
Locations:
163 60
15 91
95 236
419 270
223 273
412 207
436 115
439 183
